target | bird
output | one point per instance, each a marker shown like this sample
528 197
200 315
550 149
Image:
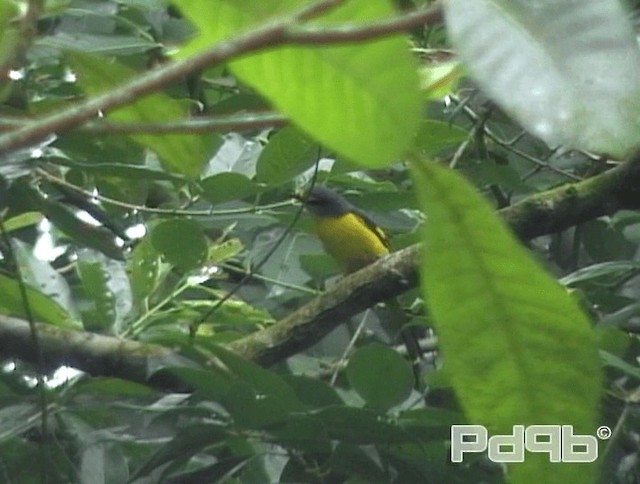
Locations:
354 240
347 233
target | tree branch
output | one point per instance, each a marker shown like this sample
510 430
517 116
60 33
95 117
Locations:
200 124
273 34
548 212
93 353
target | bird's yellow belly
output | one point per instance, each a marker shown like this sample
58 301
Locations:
348 240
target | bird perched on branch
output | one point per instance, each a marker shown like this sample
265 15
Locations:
346 232
352 238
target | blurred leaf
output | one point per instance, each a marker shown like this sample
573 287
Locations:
618 363
189 441
183 154
181 241
607 273
81 233
21 221
381 376
509 334
289 153
604 242
313 392
258 397
143 269
109 387
567 71
43 308
9 34
107 286
41 276
312 85
16 419
106 45
434 136
224 187
103 462
361 426
440 79
224 251
305 434
121 170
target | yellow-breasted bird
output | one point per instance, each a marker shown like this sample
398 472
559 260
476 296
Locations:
346 232
355 241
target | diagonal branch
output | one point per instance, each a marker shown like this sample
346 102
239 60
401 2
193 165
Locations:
544 213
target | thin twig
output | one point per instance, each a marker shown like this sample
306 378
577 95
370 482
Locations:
210 124
160 211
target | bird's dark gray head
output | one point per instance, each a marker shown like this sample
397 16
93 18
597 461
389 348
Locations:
324 202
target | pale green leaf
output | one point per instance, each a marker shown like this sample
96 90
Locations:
361 100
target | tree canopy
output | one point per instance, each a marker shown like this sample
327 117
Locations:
167 313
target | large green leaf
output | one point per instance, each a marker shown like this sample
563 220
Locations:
185 154
181 241
361 100
516 347
380 375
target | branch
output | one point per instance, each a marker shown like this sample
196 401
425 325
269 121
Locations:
200 124
93 353
541 214
273 34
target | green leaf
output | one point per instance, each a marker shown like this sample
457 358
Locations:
185 154
189 441
288 153
361 100
381 376
143 267
43 308
181 241
39 274
605 273
435 136
225 187
21 221
516 347
313 392
618 363
224 251
107 287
